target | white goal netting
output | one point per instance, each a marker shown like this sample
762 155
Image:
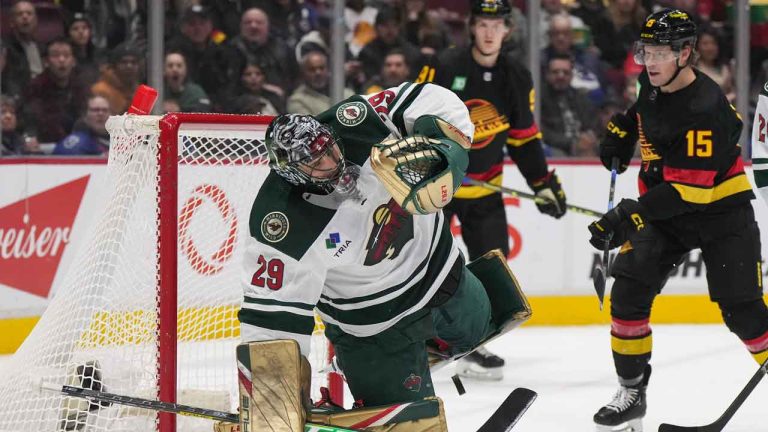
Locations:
102 329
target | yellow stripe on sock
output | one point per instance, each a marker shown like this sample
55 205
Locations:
632 346
761 356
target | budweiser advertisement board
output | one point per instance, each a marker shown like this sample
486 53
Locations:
46 211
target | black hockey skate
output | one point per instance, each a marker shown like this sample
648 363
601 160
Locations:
481 364
626 411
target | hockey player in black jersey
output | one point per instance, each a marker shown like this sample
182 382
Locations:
499 93
693 194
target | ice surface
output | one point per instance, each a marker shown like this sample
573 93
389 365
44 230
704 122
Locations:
698 370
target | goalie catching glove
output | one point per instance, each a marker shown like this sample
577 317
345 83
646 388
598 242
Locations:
420 173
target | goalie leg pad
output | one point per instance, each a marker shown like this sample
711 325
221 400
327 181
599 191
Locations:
425 415
274 386
509 307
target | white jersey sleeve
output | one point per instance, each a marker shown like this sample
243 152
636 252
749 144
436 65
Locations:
280 294
760 144
400 106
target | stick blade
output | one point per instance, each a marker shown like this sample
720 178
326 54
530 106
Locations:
666 427
598 279
510 411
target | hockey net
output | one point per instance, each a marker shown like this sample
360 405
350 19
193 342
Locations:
149 307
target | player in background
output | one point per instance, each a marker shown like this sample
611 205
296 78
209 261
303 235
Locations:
694 193
349 221
760 143
498 91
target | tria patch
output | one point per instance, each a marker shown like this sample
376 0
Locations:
274 227
459 82
351 113
412 383
332 240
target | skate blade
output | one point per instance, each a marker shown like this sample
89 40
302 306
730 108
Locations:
473 371
634 425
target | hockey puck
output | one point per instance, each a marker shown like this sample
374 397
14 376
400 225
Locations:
459 385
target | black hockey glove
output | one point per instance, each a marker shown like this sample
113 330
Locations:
618 225
619 141
550 197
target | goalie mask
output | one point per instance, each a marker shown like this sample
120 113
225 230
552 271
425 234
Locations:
304 152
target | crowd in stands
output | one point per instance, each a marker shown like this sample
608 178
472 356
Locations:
66 65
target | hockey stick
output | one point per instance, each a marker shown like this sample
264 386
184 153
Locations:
503 419
509 412
167 407
530 196
600 274
719 424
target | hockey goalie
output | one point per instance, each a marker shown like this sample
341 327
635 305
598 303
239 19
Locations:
349 223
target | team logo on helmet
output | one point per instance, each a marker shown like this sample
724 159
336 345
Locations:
274 227
351 113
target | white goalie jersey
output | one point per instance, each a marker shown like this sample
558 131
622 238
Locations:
361 261
760 143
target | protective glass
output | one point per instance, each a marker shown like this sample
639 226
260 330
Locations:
656 55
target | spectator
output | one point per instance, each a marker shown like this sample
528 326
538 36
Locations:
252 104
320 40
313 95
420 24
119 78
191 97
567 116
201 47
23 57
254 44
252 94
712 63
87 56
13 142
550 8
289 19
89 136
387 38
55 98
587 75
616 41
394 71
359 20
7 86
170 106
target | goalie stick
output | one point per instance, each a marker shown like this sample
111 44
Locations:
185 410
720 423
502 420
530 196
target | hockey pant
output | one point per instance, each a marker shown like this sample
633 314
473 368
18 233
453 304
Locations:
730 248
